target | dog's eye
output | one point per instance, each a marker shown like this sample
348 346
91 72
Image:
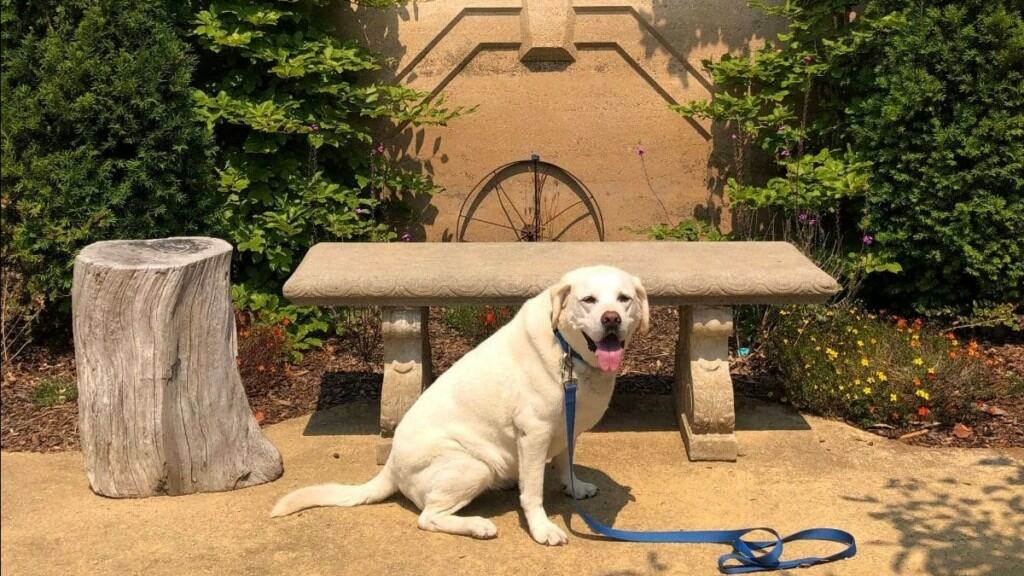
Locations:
623 298
590 300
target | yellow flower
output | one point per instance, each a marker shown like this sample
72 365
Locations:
856 382
871 379
864 362
918 361
783 312
867 390
854 330
799 330
923 393
931 370
785 340
881 376
860 343
831 353
807 366
892 397
816 348
874 341
813 339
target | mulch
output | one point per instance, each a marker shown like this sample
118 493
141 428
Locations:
336 374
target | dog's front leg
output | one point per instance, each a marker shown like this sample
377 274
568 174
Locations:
533 448
571 484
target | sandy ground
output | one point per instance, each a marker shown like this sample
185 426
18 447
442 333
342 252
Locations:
913 510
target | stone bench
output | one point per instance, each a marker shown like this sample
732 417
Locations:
703 279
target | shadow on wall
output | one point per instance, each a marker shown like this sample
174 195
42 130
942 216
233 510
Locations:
956 534
688 30
675 20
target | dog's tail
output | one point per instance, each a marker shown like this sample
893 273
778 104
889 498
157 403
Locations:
377 489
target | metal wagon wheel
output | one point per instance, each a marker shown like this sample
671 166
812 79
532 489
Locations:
530 201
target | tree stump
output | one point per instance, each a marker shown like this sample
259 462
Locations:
161 405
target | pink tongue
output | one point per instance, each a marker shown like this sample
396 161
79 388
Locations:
609 360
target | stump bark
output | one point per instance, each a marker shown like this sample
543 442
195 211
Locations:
161 405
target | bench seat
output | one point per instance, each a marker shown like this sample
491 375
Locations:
702 278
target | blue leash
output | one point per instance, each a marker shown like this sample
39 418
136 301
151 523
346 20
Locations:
747 555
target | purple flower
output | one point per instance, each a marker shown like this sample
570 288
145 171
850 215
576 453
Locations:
640 151
379 148
802 217
812 221
406 237
808 59
362 211
733 136
784 153
314 128
868 239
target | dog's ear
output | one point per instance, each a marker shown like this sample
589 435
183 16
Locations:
559 292
645 307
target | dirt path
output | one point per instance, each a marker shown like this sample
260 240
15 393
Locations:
914 510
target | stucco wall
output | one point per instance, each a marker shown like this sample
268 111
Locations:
585 85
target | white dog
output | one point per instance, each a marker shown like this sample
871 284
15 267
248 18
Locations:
496 417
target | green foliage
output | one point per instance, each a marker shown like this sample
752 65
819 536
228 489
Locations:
763 105
844 362
685 230
296 159
939 108
303 325
477 322
904 124
54 390
99 139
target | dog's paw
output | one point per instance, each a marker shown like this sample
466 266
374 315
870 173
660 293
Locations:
482 528
583 490
549 534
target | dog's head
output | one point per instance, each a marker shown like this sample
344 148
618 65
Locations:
598 309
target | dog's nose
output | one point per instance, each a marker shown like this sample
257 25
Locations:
611 319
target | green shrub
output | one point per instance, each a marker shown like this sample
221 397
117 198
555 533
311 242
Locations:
477 322
844 362
787 174
99 137
54 390
296 159
939 110
684 230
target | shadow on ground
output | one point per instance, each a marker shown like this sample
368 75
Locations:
649 410
953 533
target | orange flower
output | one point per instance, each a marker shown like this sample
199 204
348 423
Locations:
285 322
918 323
917 382
952 354
901 323
915 343
923 411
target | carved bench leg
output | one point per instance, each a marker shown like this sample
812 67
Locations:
406 368
702 387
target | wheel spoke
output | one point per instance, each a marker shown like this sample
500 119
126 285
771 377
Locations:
481 220
570 207
502 194
578 219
